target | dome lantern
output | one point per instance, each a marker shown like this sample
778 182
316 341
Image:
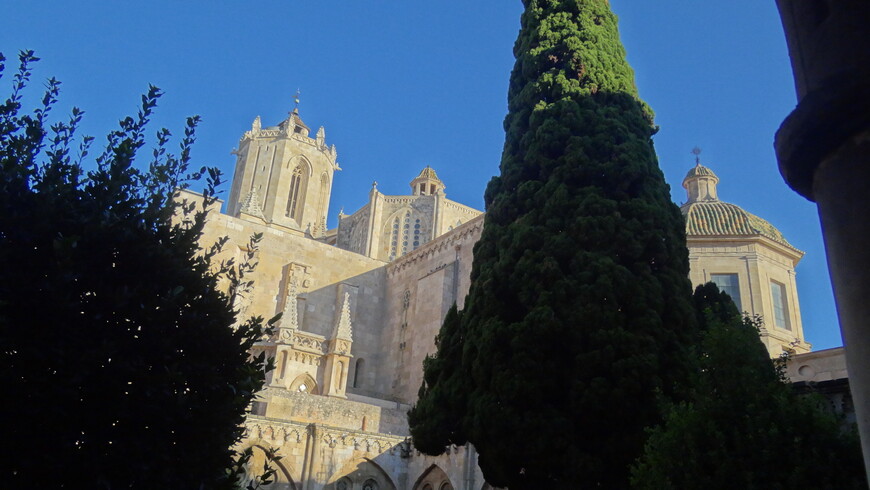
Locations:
427 183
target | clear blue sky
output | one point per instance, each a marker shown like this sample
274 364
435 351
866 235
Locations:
400 84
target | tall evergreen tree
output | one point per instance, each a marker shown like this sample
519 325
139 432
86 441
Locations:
744 426
579 315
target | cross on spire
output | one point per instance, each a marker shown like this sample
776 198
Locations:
697 152
296 98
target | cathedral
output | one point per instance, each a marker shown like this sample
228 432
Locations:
363 302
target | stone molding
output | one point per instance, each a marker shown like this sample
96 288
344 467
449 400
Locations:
280 432
462 233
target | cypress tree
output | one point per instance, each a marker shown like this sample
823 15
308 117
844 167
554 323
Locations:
579 315
744 426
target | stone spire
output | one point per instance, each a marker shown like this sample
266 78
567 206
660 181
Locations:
289 317
251 205
343 328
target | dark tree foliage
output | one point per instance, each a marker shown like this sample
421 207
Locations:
434 424
745 427
118 362
579 315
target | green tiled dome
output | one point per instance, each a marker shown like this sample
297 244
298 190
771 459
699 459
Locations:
717 218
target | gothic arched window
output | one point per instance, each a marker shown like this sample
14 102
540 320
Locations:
394 238
417 232
406 229
296 196
358 372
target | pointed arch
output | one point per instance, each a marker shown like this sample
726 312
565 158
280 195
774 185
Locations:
358 372
396 232
254 468
433 478
304 383
359 472
299 176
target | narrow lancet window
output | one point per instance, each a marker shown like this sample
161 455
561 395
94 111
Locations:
295 195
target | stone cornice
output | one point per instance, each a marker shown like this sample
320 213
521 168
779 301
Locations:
720 241
277 432
465 232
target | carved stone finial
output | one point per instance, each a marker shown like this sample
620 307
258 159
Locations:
257 125
343 329
251 205
321 137
290 316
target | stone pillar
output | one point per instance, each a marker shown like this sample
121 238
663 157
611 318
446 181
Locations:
311 462
370 247
823 148
470 467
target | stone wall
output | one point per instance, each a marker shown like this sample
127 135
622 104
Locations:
421 287
317 456
757 262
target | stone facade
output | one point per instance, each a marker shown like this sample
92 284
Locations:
824 373
362 305
389 227
746 257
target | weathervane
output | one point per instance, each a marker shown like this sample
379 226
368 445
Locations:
296 98
697 152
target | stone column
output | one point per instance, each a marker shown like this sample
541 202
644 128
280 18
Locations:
311 462
823 148
370 248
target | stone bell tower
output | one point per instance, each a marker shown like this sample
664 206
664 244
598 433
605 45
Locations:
283 176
